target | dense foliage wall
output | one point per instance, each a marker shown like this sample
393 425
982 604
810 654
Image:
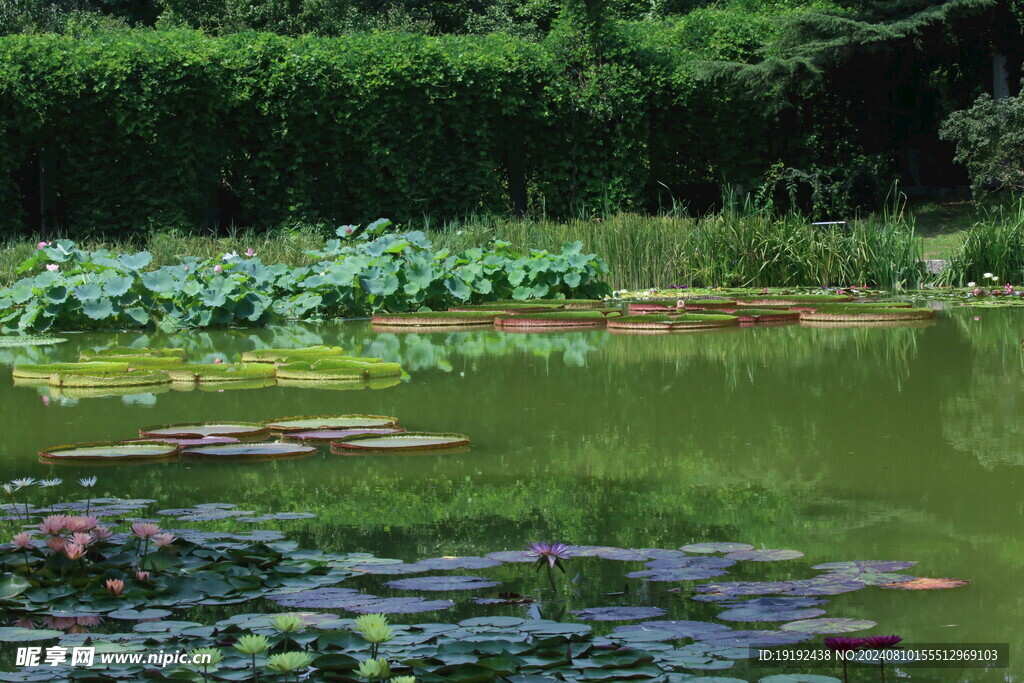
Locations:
116 129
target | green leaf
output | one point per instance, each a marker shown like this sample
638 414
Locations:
136 261
118 285
99 309
137 314
458 288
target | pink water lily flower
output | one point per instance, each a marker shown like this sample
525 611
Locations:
82 539
102 533
55 543
145 529
115 586
142 576
162 540
74 551
53 524
22 540
75 524
52 267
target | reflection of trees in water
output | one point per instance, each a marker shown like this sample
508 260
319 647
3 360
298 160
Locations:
983 416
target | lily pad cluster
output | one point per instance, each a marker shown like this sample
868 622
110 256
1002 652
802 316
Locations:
141 367
298 436
510 315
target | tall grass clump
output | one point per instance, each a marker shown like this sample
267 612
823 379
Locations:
994 244
738 247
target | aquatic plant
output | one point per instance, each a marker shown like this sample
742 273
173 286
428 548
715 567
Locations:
107 451
865 313
375 630
253 645
220 372
400 443
456 318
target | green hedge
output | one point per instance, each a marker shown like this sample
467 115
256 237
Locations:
162 127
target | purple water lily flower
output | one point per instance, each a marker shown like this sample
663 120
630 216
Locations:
881 642
552 553
844 643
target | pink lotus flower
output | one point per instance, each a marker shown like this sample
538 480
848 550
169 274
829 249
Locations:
55 543
52 267
82 539
162 540
46 400
42 244
22 540
74 551
142 576
53 524
250 252
217 361
74 524
218 269
101 533
348 230
145 529
115 586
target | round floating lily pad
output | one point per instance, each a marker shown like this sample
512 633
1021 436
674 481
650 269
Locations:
869 577
773 555
689 562
111 450
198 430
399 606
316 435
546 627
677 574
408 441
799 678
398 569
302 423
924 584
16 634
829 625
858 566
617 613
131 378
716 547
138 615
436 319
442 583
677 629
442 563
202 441
748 638
822 585
250 450
512 556
773 609
309 353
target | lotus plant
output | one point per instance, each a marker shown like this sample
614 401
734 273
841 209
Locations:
253 645
375 630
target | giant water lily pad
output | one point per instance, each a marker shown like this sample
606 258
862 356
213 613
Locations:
198 430
830 625
11 341
407 441
617 613
303 423
724 547
250 450
320 435
773 609
772 555
201 441
442 583
111 450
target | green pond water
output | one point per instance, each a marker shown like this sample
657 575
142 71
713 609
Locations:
897 443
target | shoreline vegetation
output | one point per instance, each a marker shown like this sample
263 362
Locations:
737 247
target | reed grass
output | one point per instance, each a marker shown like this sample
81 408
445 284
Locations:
994 244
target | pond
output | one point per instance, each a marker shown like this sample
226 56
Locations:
893 443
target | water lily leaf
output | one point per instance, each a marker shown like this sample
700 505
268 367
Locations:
690 562
202 441
799 678
828 625
499 622
547 628
676 574
617 613
111 451
738 588
396 569
870 577
773 609
197 430
823 585
406 441
13 586
677 630
773 555
724 547
399 606
749 638
342 422
15 634
923 584
441 563
250 450
337 434
512 556
139 615
442 583
857 566
169 626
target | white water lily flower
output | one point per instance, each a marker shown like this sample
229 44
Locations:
230 255
972 284
987 275
995 279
